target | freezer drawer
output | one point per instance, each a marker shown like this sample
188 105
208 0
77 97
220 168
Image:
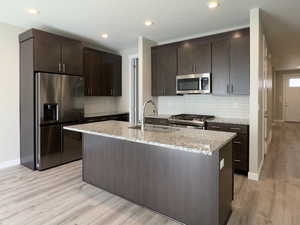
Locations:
49 152
72 146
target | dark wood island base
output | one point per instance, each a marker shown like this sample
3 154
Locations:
193 188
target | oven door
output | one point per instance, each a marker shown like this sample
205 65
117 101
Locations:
188 84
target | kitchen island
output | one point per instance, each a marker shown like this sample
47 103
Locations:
185 174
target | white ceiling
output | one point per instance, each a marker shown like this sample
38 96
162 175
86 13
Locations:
173 19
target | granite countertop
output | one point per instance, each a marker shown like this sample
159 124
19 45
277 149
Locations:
190 140
98 114
230 121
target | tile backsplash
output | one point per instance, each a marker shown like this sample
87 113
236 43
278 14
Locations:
100 104
220 106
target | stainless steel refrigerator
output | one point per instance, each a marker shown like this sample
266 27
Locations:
58 102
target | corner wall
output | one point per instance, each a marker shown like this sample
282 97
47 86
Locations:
144 55
9 95
256 85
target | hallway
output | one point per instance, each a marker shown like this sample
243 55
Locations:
275 199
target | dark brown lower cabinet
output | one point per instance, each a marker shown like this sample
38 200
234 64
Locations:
189 187
240 145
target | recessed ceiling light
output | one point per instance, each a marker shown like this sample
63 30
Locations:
148 23
213 4
105 36
33 11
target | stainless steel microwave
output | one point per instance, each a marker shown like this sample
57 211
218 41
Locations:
193 84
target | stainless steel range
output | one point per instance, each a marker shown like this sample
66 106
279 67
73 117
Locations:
190 120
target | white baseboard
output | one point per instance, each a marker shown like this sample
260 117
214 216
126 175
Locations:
10 163
255 176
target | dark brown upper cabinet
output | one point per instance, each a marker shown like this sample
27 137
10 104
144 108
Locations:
220 66
226 56
54 53
231 63
164 70
102 72
240 62
71 56
194 56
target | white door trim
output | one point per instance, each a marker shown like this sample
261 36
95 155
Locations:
131 92
284 83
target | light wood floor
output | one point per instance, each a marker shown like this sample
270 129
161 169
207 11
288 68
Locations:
59 197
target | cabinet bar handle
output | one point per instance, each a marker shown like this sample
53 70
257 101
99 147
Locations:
235 128
231 88
236 160
64 68
59 67
237 142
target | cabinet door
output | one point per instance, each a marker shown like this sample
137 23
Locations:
107 78
47 52
240 63
220 66
194 57
164 69
117 75
156 77
91 72
71 57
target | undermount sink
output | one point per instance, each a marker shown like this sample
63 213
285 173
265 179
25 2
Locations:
157 128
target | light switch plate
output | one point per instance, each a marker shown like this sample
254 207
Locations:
222 163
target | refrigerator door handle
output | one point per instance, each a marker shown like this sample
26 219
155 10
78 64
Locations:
57 113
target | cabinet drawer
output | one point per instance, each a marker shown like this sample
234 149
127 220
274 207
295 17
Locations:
240 151
157 121
235 128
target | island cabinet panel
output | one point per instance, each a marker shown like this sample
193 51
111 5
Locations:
186 186
164 70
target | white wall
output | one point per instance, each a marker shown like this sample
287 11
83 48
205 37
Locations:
124 101
256 84
144 55
220 106
9 94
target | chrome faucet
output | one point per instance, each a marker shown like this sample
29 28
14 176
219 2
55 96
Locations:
143 115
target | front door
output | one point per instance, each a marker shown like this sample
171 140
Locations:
291 98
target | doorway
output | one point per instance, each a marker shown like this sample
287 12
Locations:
291 95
